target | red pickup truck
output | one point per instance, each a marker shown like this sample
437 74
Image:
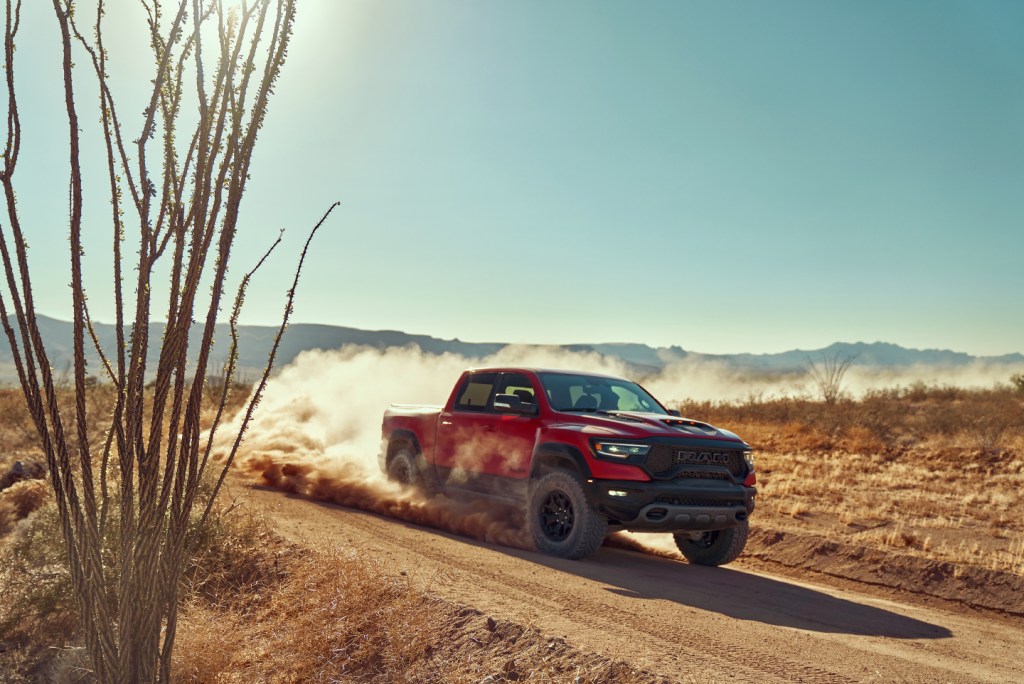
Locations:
586 454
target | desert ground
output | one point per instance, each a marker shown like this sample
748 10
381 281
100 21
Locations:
885 547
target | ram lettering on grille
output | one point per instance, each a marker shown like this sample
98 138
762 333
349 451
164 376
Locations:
709 457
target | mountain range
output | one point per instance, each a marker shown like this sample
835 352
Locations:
255 342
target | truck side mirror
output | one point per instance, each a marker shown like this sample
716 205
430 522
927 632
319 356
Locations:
511 403
675 412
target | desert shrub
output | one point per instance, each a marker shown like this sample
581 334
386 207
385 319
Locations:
17 433
234 555
70 666
877 416
19 500
990 419
37 602
38 607
921 392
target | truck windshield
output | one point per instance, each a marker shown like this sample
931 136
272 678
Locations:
573 392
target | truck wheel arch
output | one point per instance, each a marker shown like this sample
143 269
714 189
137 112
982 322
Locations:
402 438
555 456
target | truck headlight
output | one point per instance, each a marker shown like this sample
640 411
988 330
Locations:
748 456
621 450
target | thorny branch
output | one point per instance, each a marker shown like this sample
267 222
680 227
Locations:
183 197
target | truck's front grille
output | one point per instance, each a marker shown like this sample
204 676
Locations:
664 457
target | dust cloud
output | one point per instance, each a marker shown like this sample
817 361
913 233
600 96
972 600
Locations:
709 380
317 431
977 375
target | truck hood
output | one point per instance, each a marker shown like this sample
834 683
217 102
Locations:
638 424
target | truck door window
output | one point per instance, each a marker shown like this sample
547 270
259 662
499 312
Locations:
476 392
517 384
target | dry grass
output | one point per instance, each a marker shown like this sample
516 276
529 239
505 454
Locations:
886 422
18 437
353 621
337 615
935 472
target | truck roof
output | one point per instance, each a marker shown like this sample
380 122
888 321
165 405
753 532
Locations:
533 369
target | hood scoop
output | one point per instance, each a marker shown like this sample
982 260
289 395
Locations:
693 427
619 415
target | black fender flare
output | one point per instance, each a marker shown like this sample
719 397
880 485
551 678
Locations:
558 456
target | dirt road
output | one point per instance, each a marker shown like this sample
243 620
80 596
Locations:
688 623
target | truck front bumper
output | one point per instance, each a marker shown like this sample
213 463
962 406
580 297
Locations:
675 505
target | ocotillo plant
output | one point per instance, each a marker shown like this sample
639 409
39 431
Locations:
176 189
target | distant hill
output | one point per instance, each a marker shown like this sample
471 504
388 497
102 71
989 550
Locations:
255 342
864 354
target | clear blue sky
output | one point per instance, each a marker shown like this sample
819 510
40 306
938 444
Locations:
723 176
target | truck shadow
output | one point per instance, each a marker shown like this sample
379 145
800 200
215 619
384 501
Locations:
738 594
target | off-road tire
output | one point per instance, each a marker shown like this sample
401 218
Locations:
716 547
403 468
562 522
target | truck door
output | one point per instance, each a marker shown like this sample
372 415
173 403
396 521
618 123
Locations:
481 449
460 430
510 451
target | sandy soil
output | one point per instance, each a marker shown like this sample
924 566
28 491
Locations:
686 623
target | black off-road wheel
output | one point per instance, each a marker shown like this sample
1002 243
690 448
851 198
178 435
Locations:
716 547
562 521
403 468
